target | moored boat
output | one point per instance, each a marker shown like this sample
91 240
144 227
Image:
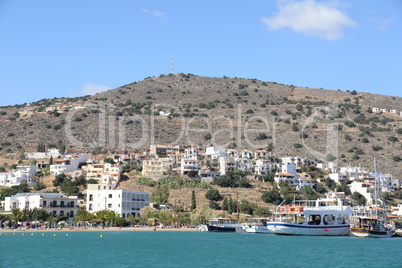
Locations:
222 225
368 224
259 227
328 217
369 227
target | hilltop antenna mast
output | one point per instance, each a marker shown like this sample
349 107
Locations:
172 65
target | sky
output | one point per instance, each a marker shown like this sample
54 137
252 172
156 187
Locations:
69 48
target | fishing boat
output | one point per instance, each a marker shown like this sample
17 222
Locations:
368 224
259 227
321 217
223 225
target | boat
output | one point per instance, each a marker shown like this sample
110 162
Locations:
223 225
365 224
321 217
259 227
369 227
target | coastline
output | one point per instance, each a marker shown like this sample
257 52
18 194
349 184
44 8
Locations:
93 229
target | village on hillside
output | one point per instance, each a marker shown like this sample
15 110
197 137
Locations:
23 188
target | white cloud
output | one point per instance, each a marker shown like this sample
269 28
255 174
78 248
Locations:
92 89
155 13
320 19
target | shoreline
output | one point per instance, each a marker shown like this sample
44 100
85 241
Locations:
108 229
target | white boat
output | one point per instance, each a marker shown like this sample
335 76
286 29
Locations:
327 217
242 228
259 227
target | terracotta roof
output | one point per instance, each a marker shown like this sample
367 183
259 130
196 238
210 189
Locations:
285 174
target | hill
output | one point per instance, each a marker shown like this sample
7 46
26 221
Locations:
233 112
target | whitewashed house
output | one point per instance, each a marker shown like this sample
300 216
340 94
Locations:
124 202
227 165
55 204
215 152
262 167
188 164
18 175
68 165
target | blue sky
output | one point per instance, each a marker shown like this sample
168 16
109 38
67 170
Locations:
70 48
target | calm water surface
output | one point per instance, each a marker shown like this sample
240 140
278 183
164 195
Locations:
194 249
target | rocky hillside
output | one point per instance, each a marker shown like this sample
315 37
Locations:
233 112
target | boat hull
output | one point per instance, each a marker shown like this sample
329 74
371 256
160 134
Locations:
222 229
258 230
370 233
280 228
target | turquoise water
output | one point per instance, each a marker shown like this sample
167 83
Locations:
194 249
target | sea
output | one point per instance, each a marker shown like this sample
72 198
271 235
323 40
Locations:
193 249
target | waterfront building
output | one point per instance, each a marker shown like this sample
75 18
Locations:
55 204
124 202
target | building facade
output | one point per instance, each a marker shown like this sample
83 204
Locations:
124 202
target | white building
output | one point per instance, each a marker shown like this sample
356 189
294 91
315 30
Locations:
156 166
106 174
124 202
204 175
67 165
247 154
187 165
191 153
18 175
364 188
292 180
245 165
289 168
295 160
226 165
262 167
232 153
215 152
51 152
376 110
397 211
55 204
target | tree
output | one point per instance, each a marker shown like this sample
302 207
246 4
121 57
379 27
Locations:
39 186
359 198
214 205
51 160
59 179
330 158
193 201
213 195
262 212
160 194
309 193
16 215
272 196
109 160
201 215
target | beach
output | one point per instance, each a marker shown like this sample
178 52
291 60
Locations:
97 229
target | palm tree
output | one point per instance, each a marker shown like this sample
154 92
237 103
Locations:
113 215
132 218
16 215
83 216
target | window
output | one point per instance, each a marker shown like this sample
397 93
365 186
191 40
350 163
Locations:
109 205
110 195
314 220
91 198
90 207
